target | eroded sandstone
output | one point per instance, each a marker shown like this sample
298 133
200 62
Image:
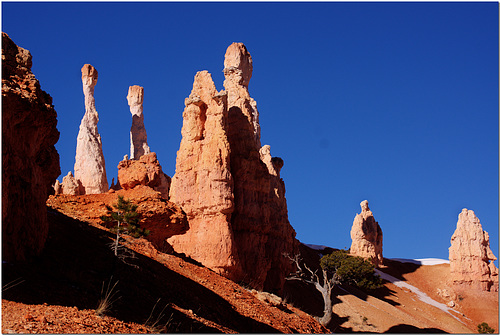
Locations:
138 137
30 162
471 259
90 168
366 236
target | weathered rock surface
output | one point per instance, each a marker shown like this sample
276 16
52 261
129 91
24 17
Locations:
234 199
70 185
30 162
90 167
471 259
366 236
138 137
146 171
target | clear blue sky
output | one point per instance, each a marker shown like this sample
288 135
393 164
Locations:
396 103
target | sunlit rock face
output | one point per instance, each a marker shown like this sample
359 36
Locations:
90 169
145 171
230 187
471 259
30 162
138 137
366 236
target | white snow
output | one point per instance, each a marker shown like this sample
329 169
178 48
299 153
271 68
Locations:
421 295
422 261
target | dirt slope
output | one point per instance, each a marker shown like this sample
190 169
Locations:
61 289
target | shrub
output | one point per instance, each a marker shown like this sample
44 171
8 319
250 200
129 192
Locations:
484 328
351 270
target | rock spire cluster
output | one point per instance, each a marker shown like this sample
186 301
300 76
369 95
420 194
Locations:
366 236
471 259
230 187
138 137
90 169
30 162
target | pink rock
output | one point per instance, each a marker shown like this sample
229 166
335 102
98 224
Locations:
471 259
229 188
70 185
30 162
146 171
90 167
138 137
366 236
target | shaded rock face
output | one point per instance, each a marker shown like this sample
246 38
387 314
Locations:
471 259
146 171
30 162
366 236
138 137
228 186
90 167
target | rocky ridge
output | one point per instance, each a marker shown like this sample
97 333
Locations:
30 162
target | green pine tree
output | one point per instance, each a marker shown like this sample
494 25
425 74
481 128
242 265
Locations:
126 221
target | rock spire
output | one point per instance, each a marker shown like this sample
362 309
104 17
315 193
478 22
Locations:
228 185
471 259
30 162
138 137
90 168
366 236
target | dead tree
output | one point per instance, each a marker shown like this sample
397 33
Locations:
325 287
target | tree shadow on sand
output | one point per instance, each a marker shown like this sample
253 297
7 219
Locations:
77 264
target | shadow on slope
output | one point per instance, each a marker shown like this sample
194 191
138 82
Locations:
308 299
77 262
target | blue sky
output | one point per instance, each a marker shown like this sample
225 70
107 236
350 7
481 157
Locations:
396 103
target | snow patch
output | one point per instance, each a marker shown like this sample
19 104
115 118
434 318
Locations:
421 295
422 261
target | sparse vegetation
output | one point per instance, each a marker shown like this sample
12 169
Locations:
107 298
154 323
330 279
351 270
126 221
12 284
484 328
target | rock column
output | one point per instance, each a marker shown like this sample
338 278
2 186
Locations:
366 236
138 137
90 167
471 259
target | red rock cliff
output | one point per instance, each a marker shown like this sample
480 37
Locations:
228 185
30 162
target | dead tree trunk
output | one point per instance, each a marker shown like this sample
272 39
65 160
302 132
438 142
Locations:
324 288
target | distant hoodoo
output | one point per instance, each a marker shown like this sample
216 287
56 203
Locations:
90 168
138 137
366 236
471 259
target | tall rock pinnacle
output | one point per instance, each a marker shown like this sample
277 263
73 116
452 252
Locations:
90 168
471 259
366 236
138 137
228 185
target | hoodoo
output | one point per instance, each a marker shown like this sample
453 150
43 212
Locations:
30 162
230 187
366 236
138 137
471 259
90 168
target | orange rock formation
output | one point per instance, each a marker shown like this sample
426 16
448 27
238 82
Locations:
471 259
366 236
30 162
228 186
